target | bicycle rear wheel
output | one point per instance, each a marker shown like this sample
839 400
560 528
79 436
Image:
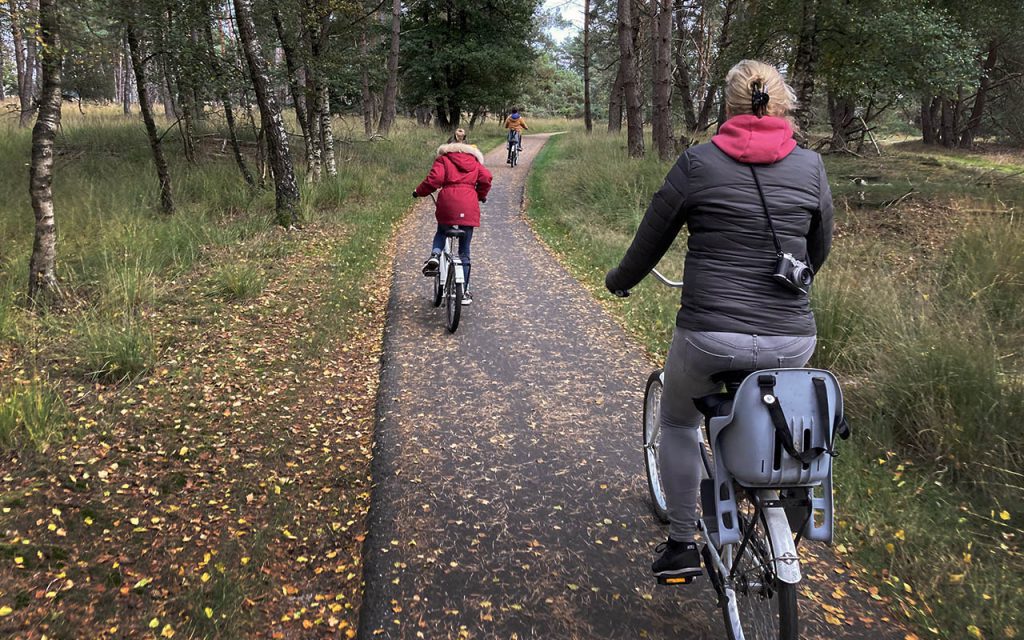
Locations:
652 440
757 605
453 302
515 157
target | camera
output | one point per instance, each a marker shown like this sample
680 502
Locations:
792 274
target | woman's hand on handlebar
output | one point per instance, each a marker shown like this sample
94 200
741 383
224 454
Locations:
610 284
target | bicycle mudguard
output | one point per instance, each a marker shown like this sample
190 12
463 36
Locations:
787 562
460 275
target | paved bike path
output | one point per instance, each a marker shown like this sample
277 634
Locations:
510 498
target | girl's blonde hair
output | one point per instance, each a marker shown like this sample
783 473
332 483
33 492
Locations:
739 84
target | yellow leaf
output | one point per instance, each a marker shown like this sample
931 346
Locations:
154 623
167 631
900 535
890 547
205 577
182 451
6 611
208 611
1004 515
974 631
831 619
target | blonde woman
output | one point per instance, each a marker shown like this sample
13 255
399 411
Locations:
749 199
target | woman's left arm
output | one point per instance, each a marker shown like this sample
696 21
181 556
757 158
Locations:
819 236
661 224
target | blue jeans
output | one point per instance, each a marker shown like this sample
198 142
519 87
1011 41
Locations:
464 242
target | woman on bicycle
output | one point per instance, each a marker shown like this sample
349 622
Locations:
735 312
464 181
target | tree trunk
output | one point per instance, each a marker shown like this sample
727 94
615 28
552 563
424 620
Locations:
225 98
805 63
126 79
724 39
615 104
24 70
3 61
167 92
327 131
42 278
285 188
627 65
366 98
978 109
291 61
388 110
145 107
587 117
661 120
947 130
840 115
684 90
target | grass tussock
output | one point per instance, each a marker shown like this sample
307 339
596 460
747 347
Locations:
32 414
919 312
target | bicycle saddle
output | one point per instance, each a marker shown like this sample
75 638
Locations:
720 404
455 233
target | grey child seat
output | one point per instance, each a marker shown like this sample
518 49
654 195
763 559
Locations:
778 433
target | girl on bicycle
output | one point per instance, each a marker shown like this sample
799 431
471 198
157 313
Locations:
516 125
464 181
735 312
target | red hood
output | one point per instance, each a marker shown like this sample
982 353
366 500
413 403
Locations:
464 162
755 140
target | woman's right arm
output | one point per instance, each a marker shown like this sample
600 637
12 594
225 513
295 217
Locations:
661 224
433 181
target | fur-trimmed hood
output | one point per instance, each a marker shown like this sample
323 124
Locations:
460 147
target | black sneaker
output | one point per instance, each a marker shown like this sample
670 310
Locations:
430 266
679 562
467 298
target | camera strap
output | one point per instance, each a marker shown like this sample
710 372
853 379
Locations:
764 204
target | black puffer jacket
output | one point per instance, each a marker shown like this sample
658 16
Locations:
730 256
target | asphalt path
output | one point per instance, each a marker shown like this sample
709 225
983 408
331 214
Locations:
509 497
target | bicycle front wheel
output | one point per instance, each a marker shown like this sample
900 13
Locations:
652 440
453 304
757 605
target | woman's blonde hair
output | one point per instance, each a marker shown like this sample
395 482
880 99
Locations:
739 87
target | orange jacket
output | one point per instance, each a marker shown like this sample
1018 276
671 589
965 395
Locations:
518 124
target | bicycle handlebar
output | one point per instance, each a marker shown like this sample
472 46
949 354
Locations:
666 281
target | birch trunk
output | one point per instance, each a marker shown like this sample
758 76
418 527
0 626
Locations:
285 188
145 107
588 120
327 131
291 61
23 69
42 278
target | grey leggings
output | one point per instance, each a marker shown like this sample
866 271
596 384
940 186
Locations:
693 357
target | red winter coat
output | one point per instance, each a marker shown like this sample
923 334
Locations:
460 174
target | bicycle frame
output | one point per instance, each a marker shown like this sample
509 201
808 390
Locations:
450 259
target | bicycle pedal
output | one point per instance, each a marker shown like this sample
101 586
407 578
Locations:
676 580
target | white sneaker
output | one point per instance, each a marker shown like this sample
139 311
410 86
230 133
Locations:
467 299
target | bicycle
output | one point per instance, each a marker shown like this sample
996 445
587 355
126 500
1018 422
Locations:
450 281
766 484
513 148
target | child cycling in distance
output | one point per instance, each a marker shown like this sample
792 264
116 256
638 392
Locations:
459 172
516 125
